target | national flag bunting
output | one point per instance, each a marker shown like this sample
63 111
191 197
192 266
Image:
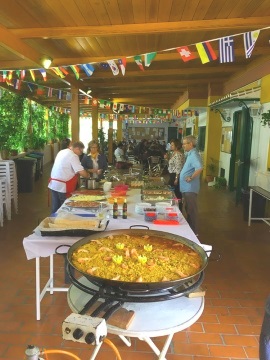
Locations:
58 72
32 75
250 39
115 106
76 71
44 74
226 49
63 70
149 57
94 102
17 84
113 66
88 69
206 52
186 54
122 64
138 60
31 86
40 91
50 92
22 74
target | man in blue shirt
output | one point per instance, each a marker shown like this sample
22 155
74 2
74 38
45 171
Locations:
190 180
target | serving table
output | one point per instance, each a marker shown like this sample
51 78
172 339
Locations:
37 246
265 194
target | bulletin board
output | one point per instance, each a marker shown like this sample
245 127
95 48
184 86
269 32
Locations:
226 139
149 133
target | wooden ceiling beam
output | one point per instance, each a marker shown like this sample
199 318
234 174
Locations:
250 23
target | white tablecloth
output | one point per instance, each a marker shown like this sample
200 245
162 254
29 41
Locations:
36 245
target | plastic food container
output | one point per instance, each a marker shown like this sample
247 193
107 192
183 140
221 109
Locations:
139 208
171 215
150 216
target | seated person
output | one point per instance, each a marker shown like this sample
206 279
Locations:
120 157
94 162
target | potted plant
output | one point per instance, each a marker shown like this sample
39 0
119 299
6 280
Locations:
212 168
220 182
266 118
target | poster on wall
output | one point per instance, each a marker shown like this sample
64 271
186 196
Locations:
226 139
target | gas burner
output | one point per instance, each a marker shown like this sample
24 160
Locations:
115 297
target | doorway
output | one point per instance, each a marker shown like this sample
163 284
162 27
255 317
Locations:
240 153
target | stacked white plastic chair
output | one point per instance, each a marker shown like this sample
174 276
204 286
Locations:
1 205
8 171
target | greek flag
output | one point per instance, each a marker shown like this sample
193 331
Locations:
249 41
226 49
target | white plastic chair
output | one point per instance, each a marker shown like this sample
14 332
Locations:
5 197
1 206
8 170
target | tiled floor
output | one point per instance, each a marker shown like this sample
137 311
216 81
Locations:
237 288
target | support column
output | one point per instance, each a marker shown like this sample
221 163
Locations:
75 113
95 122
119 128
110 139
265 94
213 130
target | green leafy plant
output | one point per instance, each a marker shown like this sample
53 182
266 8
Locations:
266 118
220 182
11 119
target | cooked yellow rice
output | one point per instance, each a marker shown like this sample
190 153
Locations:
168 260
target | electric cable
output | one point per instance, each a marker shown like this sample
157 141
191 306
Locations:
55 351
111 344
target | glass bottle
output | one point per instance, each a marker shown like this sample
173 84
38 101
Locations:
124 215
115 209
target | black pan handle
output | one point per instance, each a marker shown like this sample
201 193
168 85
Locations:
58 247
144 226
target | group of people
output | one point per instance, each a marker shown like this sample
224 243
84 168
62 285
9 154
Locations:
184 169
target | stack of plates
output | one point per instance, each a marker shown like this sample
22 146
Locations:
140 207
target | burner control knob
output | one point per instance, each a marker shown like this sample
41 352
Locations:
89 338
77 333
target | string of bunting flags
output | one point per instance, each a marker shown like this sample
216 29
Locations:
204 49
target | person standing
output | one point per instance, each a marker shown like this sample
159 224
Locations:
120 157
175 165
190 180
94 162
64 174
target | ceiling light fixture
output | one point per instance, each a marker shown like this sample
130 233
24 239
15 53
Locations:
46 61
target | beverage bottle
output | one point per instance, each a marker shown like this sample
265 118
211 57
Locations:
124 216
115 209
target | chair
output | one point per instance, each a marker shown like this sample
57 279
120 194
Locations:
154 165
5 197
1 206
8 170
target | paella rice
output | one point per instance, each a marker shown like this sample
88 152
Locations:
131 258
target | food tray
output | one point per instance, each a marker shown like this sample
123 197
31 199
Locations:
44 229
157 192
154 185
156 198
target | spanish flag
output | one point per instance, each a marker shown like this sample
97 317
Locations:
206 52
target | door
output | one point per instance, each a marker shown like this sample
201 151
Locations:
241 150
172 133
